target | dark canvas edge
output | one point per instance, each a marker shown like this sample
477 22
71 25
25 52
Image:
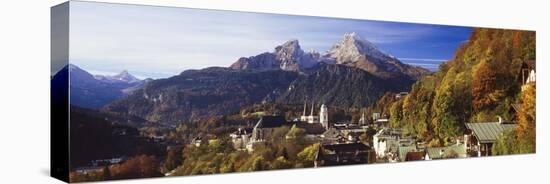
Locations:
59 92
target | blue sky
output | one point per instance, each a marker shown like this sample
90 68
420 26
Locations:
159 42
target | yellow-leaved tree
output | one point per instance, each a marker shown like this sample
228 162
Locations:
526 130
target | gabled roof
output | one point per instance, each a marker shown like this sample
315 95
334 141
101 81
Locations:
489 132
445 152
272 122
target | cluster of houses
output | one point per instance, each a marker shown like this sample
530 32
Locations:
391 146
340 143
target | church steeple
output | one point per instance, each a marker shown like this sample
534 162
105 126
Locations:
323 116
305 107
312 107
363 120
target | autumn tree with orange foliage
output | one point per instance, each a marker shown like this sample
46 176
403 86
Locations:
483 84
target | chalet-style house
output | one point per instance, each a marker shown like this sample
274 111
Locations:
480 137
343 154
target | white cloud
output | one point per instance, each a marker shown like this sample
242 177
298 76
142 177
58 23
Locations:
423 59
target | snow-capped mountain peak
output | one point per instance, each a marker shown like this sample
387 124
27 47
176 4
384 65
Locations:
352 47
126 76
353 50
289 56
123 76
289 51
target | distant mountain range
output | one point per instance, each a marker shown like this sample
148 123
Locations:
96 91
352 51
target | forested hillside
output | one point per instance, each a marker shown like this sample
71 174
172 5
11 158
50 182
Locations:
481 82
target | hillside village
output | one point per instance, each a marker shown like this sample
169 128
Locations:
344 143
479 104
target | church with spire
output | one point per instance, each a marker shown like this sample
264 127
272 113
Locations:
312 118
